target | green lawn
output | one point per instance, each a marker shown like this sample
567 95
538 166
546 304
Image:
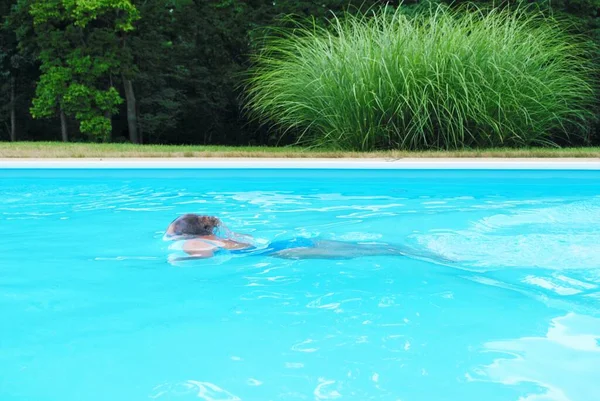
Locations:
111 150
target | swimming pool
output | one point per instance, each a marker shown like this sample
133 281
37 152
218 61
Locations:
93 310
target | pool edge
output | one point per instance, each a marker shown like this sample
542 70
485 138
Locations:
266 163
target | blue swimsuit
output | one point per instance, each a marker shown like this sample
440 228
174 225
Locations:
273 247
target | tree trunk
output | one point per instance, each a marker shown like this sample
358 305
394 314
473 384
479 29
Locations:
131 111
13 110
63 126
140 127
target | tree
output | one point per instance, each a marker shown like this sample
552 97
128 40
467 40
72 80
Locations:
154 75
10 61
79 56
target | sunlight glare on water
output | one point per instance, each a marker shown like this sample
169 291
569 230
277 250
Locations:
93 309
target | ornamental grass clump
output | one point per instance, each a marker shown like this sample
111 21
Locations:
442 79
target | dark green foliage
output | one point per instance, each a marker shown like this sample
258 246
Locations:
185 59
75 47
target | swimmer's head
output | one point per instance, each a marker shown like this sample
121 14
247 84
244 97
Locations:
194 225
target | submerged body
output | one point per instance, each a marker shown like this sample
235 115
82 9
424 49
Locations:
295 248
200 240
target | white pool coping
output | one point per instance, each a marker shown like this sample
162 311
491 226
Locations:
278 163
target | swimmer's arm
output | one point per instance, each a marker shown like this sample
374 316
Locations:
198 249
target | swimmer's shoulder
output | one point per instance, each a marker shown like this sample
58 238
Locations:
199 247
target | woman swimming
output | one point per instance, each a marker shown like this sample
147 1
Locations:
204 236
200 235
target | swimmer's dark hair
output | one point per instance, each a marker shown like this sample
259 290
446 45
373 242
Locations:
194 224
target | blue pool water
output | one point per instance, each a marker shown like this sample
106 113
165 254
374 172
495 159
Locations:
91 308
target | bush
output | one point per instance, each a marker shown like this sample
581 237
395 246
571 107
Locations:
441 79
